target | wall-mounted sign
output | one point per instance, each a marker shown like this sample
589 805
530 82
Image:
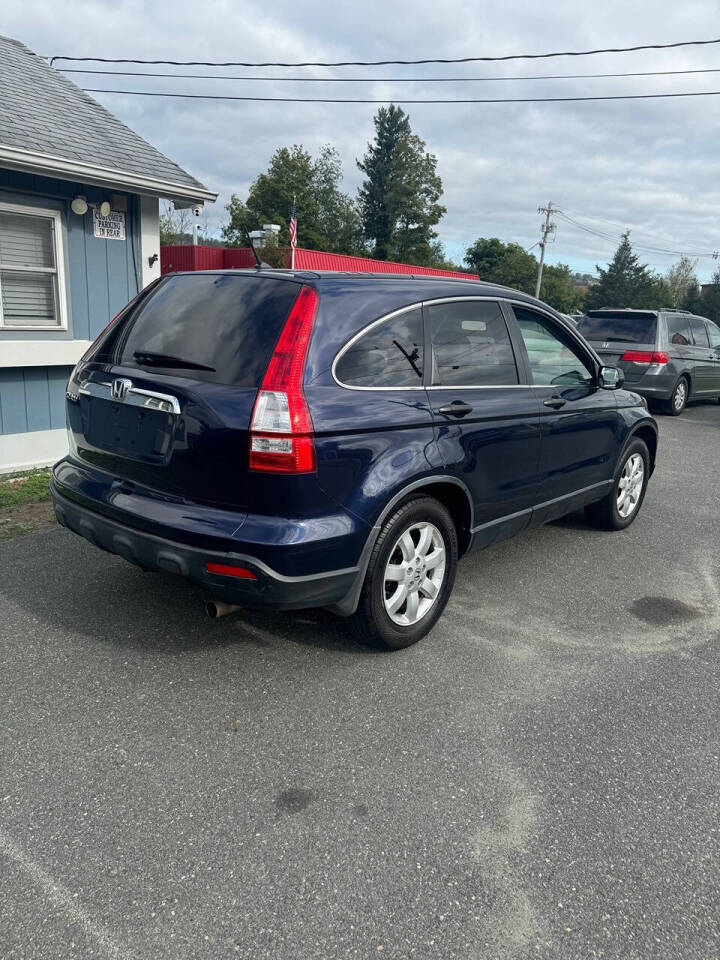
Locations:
111 227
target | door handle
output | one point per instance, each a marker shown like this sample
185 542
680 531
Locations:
555 402
458 408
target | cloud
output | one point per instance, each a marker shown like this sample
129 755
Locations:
647 165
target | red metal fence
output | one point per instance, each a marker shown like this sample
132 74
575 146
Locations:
173 259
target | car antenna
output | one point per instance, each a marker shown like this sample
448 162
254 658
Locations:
261 265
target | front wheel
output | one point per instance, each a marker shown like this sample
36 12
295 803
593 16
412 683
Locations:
622 504
410 576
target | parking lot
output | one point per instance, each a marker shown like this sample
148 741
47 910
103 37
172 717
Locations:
539 777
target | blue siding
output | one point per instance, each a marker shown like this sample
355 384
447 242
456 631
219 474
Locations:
32 398
57 382
101 277
102 274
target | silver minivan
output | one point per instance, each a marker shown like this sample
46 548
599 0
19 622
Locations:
668 356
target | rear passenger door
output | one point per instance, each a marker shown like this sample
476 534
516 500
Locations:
580 421
484 412
702 357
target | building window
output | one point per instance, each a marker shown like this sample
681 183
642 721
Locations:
32 287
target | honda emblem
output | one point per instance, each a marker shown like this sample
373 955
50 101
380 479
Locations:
119 388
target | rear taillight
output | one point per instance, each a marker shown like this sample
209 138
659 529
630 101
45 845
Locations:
281 430
645 356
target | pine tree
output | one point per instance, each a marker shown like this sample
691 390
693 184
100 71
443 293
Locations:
626 282
399 198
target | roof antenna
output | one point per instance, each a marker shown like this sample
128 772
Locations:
261 265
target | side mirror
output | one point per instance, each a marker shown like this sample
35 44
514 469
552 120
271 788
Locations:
611 378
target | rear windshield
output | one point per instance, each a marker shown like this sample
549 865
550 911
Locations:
622 327
223 327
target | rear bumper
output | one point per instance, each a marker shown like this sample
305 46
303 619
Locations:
657 386
268 588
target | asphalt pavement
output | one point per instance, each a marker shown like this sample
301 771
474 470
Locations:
538 778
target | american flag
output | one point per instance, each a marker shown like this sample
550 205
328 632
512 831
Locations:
293 228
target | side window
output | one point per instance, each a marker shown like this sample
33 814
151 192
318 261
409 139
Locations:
714 332
388 355
471 344
552 360
699 332
678 331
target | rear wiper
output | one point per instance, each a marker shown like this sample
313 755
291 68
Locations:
147 358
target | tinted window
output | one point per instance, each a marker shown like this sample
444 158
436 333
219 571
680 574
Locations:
622 327
714 334
230 323
388 355
678 331
552 359
471 345
699 332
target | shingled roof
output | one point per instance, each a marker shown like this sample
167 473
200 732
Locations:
48 125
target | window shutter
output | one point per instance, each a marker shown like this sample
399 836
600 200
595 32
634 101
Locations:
28 274
26 241
28 299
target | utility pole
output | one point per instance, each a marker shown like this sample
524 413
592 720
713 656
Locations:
547 229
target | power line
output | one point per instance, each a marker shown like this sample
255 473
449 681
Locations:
212 96
625 226
641 247
219 76
383 63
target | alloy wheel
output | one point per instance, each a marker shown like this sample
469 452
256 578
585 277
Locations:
414 574
630 485
680 395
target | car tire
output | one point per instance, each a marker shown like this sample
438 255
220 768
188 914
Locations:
678 398
609 513
398 551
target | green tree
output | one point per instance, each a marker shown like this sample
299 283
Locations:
626 282
327 218
174 225
484 256
398 200
508 264
679 279
710 303
557 289
511 265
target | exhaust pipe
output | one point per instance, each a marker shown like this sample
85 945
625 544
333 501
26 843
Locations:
218 608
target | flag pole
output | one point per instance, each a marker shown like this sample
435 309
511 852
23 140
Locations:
293 240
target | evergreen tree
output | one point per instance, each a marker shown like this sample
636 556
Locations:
399 198
626 282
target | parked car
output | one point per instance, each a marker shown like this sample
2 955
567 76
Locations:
295 439
668 356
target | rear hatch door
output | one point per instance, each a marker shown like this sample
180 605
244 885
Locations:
615 333
166 396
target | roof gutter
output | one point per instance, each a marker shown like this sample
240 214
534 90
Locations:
64 169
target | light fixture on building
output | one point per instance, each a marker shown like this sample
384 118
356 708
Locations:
79 205
105 208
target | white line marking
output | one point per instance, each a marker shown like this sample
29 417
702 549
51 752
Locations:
62 899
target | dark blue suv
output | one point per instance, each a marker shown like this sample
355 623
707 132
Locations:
305 439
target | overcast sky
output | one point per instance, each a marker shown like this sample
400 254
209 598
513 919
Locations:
651 166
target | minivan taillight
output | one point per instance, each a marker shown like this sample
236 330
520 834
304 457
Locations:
645 356
281 430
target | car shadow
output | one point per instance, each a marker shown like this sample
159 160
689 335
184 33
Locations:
574 521
83 591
